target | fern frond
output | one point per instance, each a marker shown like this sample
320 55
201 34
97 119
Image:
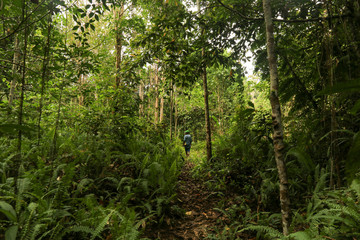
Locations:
102 225
84 229
36 230
355 186
272 232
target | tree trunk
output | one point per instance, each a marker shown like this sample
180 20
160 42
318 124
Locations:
156 79
141 96
162 109
15 68
276 116
118 46
171 108
44 76
206 100
176 114
23 76
149 93
330 70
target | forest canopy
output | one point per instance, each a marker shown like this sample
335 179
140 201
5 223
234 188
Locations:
96 97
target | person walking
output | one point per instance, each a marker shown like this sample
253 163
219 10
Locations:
187 142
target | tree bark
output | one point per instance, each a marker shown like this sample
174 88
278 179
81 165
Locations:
207 114
23 76
171 108
206 100
118 46
141 96
14 71
276 116
44 76
156 79
162 104
175 114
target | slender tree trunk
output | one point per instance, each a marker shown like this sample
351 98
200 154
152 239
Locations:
149 93
334 164
276 116
23 76
206 100
219 110
18 159
15 68
118 46
44 76
171 108
156 81
176 114
162 100
162 109
53 152
207 114
141 95
81 96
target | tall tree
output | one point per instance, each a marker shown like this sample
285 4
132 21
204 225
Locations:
15 67
206 97
278 134
44 74
118 15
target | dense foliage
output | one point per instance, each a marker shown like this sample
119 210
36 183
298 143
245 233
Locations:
95 97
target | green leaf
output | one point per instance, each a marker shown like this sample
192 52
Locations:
8 210
91 14
303 158
342 87
301 235
92 27
11 232
97 17
75 28
355 108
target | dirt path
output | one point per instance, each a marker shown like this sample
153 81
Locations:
200 218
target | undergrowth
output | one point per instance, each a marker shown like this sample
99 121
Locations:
96 187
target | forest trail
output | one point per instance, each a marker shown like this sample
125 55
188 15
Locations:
198 202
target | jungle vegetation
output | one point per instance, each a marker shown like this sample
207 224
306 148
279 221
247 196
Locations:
95 97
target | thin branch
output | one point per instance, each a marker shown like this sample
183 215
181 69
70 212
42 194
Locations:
23 21
18 64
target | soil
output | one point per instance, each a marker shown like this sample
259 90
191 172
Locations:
199 218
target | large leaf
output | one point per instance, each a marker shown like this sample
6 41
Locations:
8 210
303 158
11 232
